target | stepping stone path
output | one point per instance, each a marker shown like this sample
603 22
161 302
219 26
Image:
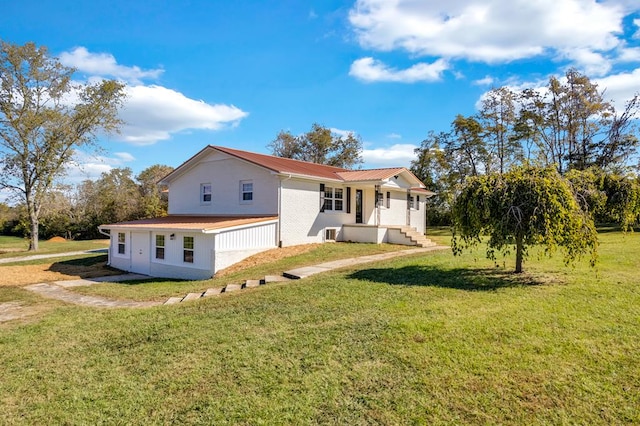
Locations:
58 290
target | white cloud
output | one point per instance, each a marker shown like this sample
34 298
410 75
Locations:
486 81
590 62
105 65
342 133
153 113
488 30
89 166
371 70
394 136
389 156
636 22
619 88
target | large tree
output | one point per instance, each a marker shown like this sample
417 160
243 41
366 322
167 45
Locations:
523 207
319 145
154 201
44 117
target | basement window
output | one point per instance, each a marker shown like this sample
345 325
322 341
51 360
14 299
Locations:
330 234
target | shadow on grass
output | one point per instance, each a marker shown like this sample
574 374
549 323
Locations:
459 278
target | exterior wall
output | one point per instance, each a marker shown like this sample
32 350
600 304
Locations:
301 219
419 216
211 252
396 214
364 234
235 245
224 173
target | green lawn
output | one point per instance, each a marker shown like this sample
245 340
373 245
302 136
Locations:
421 340
17 247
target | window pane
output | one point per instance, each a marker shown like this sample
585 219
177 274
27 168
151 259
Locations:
247 187
328 204
188 256
328 192
188 243
160 240
121 237
338 204
120 248
338 193
206 197
159 252
247 196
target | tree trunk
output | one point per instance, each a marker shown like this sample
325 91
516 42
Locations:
519 253
33 222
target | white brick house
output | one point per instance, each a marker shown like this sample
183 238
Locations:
226 204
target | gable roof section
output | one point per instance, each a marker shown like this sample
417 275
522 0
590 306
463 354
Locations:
300 168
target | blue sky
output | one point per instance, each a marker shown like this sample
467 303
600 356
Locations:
235 73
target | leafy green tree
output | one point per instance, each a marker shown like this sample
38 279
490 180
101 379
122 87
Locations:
44 116
523 207
154 201
319 145
622 200
466 149
498 118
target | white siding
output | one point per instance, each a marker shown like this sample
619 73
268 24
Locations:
396 214
225 174
301 219
418 217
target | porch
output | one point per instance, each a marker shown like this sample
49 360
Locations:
393 234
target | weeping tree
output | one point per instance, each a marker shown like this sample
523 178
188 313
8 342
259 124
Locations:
44 117
524 207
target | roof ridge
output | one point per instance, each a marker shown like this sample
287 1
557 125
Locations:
225 149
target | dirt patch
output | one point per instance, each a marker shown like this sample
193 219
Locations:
18 276
57 240
267 257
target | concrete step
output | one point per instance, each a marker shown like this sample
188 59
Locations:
251 283
191 296
274 279
232 287
173 300
212 291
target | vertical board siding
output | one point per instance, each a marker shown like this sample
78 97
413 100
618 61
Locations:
247 238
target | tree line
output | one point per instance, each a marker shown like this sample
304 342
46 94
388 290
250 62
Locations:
567 125
76 212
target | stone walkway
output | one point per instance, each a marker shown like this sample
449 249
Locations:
58 289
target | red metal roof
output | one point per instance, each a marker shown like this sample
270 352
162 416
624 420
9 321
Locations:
285 165
190 223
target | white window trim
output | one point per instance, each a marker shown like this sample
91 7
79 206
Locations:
192 250
333 200
125 243
155 247
242 192
328 231
203 193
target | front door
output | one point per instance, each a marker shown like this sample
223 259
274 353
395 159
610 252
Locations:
140 261
358 205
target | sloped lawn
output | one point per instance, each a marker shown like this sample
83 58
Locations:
421 340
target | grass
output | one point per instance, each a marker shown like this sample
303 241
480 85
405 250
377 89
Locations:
161 289
420 340
18 247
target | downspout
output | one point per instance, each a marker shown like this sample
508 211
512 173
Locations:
280 210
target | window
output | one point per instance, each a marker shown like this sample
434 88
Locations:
205 193
187 254
159 246
388 199
330 234
246 191
121 243
411 202
417 202
333 199
379 199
